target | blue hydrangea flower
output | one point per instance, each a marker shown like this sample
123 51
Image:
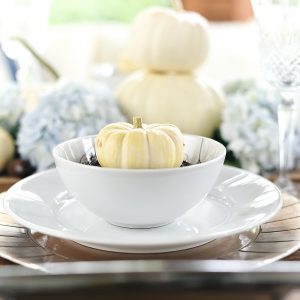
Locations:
250 125
70 110
11 107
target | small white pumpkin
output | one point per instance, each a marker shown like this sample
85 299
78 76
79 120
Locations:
7 148
139 146
164 39
186 101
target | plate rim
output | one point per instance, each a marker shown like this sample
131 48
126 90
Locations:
188 241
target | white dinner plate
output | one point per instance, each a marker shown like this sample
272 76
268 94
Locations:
239 201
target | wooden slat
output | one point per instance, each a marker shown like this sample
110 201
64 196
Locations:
6 182
295 176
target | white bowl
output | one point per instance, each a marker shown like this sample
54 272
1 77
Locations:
141 198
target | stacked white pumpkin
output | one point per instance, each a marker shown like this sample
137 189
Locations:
168 46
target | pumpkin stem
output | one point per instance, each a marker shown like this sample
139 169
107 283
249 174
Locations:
177 4
137 122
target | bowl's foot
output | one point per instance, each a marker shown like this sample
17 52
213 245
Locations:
142 248
131 226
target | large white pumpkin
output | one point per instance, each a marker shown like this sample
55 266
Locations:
164 39
185 100
7 148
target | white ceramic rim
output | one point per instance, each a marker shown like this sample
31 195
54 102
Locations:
139 171
219 234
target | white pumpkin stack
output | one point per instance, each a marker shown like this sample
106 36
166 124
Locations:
168 45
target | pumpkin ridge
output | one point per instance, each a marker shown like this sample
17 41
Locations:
156 125
155 43
173 136
107 134
148 147
171 142
110 127
121 151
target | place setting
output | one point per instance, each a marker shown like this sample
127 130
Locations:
89 209
150 141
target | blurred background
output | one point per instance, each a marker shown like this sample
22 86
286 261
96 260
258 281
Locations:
44 43
75 36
